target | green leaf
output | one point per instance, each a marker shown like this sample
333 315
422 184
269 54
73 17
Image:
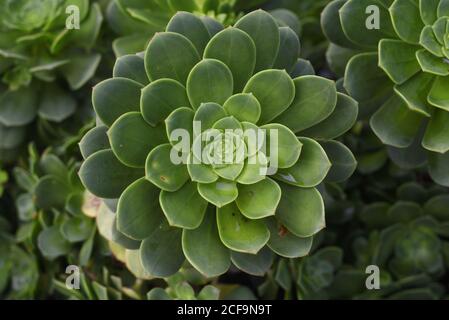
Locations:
288 50
236 49
81 69
395 124
191 27
204 249
170 55
259 200
342 159
301 211
50 193
311 167
94 140
367 83
431 64
77 228
55 104
138 211
160 98
438 95
132 138
428 10
179 119
19 107
437 207
406 19
314 101
214 75
219 193
162 171
200 172
239 233
274 89
354 18
209 292
113 97
52 244
212 25
208 114
12 137
255 264
429 41
263 29
339 122
132 67
436 138
161 253
115 176
285 145
414 92
243 107
254 170
398 59
285 243
332 27
177 213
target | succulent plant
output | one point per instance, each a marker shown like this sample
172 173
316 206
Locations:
136 21
214 212
19 271
54 211
37 51
313 41
394 57
411 238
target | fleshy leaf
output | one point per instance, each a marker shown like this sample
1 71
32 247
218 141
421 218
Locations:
439 168
113 97
414 92
259 200
236 49
204 250
191 27
263 29
301 211
138 211
339 122
115 176
286 148
162 171
94 140
439 94
213 75
285 243
161 253
311 167
132 138
342 159
160 98
436 138
398 59
177 213
288 50
170 55
406 19
274 89
395 124
219 193
244 107
239 233
315 99
132 67
255 264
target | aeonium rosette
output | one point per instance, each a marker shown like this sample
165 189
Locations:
394 55
196 148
